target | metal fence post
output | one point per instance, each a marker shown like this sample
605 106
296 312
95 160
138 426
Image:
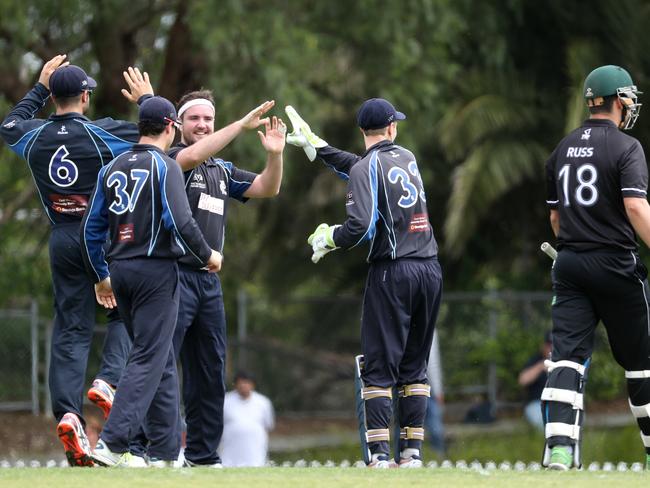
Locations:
492 367
33 309
48 358
242 327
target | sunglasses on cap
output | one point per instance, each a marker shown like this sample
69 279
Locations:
175 123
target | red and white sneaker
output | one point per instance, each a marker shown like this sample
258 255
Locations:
75 442
102 395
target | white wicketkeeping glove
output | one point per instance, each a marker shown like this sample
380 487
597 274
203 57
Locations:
322 241
302 136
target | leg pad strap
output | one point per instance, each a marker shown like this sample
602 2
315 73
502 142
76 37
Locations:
637 375
561 429
377 435
417 389
551 365
370 392
571 397
411 433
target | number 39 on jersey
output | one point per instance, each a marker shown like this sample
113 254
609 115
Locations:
410 188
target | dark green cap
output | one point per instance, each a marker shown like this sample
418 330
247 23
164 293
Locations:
604 81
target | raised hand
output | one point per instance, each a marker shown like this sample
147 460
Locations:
273 140
138 84
49 67
252 119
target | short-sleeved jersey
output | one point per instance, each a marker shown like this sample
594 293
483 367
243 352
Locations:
208 188
140 201
587 176
64 152
385 203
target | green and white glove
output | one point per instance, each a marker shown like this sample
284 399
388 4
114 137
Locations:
302 136
322 241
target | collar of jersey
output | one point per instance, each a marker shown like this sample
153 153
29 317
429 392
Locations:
380 145
69 115
601 122
146 147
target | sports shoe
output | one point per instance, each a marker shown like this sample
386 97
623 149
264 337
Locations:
75 442
155 462
561 458
410 462
103 456
191 464
102 395
380 462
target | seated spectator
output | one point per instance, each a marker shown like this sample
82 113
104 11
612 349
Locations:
533 378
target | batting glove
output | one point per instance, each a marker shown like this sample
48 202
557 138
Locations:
322 241
302 136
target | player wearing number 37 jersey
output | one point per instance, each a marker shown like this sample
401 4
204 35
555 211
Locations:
597 179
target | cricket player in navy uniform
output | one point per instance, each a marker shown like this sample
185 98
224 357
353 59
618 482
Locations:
140 202
597 179
210 183
65 153
386 207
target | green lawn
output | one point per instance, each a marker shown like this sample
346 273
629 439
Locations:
310 477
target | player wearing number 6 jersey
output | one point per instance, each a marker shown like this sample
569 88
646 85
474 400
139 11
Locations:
65 153
597 179
386 208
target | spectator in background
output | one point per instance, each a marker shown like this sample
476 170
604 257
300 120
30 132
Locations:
433 420
248 418
533 378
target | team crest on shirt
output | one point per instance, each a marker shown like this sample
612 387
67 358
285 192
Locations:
62 131
586 135
222 187
197 181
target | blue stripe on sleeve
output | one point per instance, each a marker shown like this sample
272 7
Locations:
372 176
167 215
115 144
96 229
19 146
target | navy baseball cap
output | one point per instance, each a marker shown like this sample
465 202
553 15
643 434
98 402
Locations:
377 113
69 81
158 110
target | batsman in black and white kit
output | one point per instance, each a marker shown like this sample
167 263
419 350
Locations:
597 179
386 207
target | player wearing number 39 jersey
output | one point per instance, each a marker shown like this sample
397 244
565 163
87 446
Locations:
597 179
64 153
386 208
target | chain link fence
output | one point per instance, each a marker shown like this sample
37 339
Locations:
301 351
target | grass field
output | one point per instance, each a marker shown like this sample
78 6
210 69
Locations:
311 477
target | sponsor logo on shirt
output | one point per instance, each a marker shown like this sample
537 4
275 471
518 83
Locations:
211 204
348 199
125 233
133 158
10 124
586 135
419 223
62 131
222 187
580 152
69 204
